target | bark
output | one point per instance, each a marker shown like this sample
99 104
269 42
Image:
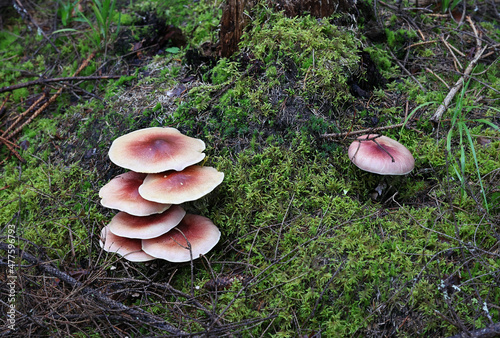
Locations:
234 20
232 23
319 9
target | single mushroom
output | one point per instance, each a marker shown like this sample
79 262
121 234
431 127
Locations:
129 248
156 149
126 225
122 193
381 155
176 187
194 236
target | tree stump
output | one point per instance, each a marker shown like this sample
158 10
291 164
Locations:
233 20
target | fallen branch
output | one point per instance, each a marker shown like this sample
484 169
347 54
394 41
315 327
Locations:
136 314
57 79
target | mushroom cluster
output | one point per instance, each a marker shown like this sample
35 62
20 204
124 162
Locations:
163 174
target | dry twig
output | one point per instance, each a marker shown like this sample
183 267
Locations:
57 79
52 99
364 131
454 90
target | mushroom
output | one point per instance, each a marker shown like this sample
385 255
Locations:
176 187
194 236
129 248
122 193
156 149
126 225
381 155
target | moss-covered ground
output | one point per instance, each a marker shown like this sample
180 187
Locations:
311 246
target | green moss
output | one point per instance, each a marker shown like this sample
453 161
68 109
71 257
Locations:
322 53
224 71
399 38
50 205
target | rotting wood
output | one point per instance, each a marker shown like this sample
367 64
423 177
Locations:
319 9
232 22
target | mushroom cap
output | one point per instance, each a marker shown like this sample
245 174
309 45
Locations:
369 156
151 226
156 149
122 193
176 187
199 231
129 248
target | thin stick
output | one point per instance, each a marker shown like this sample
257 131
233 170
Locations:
57 79
407 71
3 103
455 49
420 44
9 146
478 41
451 52
364 131
12 144
52 99
35 114
24 114
438 77
447 100
20 8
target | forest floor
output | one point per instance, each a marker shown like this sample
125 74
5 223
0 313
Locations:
310 244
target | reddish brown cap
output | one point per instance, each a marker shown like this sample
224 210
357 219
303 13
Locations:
122 193
381 155
176 187
129 248
201 234
151 226
153 150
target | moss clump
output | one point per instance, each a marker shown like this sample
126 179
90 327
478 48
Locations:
315 52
